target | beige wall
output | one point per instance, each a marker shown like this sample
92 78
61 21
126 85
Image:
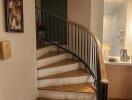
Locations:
18 74
88 13
97 12
79 12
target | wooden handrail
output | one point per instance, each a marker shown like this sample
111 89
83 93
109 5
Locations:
104 79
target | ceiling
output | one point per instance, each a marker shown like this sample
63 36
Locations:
111 5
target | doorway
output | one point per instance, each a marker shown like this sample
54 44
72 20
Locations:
55 9
114 28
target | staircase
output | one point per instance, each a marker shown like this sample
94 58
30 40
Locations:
60 77
69 60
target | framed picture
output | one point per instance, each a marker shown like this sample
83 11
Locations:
14 16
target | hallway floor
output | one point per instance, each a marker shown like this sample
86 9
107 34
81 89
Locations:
119 99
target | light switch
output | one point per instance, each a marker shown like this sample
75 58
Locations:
5 50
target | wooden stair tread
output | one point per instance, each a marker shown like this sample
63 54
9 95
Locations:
78 88
60 63
74 73
44 46
48 99
51 54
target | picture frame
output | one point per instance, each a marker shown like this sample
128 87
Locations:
14 16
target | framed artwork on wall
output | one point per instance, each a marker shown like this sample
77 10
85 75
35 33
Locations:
14 16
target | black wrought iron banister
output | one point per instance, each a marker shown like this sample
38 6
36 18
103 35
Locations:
76 40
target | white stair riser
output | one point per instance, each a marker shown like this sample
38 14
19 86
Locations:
57 70
66 95
45 50
63 81
51 60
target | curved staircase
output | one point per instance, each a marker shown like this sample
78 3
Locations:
60 77
70 63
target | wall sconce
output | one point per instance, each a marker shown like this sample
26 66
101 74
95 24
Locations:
5 50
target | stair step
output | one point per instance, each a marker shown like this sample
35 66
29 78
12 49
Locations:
44 46
66 95
60 63
41 47
51 57
48 99
51 54
78 88
44 50
59 67
75 73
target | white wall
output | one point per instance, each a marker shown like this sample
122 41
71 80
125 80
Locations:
111 33
79 12
107 31
114 22
129 28
88 13
18 74
97 12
